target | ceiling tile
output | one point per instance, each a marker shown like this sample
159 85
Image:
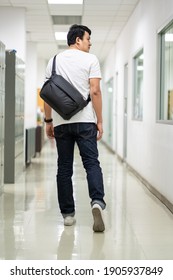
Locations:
106 18
63 20
65 9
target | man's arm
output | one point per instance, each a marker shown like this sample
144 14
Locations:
95 93
48 116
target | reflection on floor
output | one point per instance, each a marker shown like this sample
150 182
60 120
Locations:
138 226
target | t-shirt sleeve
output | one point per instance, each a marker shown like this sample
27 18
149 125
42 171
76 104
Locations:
95 71
48 71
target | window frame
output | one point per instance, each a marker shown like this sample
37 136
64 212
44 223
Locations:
135 57
161 78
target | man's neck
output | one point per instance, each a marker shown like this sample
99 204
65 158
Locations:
75 47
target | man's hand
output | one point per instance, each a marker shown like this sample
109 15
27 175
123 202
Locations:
49 130
100 130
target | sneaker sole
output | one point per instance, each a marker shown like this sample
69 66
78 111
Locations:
70 223
98 221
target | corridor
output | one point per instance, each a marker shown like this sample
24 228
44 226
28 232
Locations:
138 225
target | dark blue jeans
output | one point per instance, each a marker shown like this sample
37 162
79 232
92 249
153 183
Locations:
85 135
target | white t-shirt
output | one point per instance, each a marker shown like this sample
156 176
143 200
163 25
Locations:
77 67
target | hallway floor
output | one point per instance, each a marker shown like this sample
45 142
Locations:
138 225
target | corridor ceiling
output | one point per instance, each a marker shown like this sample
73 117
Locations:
106 19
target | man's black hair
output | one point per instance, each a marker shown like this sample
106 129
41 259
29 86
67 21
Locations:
76 31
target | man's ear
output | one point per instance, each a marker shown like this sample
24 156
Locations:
78 40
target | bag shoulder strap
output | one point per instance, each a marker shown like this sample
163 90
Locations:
54 72
54 66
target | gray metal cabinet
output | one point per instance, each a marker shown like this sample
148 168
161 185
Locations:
2 96
14 117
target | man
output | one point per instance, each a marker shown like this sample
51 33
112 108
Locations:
82 70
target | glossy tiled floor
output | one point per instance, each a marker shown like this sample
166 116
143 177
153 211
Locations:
138 226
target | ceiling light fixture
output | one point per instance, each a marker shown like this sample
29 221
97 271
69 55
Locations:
61 36
64 2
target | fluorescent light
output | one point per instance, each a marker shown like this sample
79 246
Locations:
64 2
169 37
61 36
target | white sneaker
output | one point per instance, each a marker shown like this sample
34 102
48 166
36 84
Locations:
98 225
69 221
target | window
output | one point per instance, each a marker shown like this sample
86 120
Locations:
138 86
109 86
166 74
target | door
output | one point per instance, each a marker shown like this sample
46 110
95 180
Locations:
125 111
116 112
110 111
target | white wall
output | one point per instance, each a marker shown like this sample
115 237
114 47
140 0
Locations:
108 73
12 29
42 64
149 143
31 86
13 35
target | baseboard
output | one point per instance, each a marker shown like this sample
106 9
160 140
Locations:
152 189
108 147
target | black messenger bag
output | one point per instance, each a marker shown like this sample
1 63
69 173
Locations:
62 96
